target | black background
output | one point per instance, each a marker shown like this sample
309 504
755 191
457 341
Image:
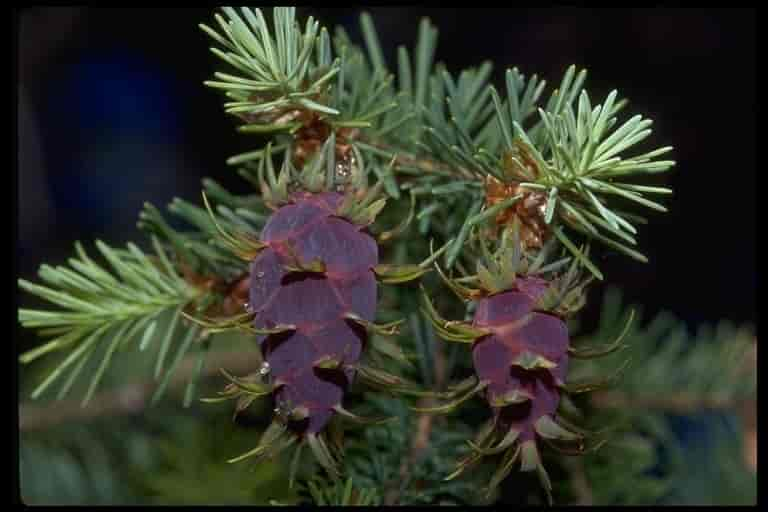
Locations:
690 70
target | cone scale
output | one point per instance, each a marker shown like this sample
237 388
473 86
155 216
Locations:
524 360
316 304
520 347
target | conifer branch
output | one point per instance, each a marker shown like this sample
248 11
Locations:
97 304
202 250
135 397
341 494
281 71
424 425
681 373
678 403
580 482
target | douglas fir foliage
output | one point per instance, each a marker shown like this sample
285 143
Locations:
514 189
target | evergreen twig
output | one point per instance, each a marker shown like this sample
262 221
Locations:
131 398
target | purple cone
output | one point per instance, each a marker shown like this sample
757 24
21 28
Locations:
316 303
516 328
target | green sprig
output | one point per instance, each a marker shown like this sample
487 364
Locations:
96 303
281 69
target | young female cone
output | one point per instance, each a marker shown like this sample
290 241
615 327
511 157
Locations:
520 352
312 302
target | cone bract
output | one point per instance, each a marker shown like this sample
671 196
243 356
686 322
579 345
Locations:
524 359
315 303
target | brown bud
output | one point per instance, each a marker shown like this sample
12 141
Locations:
237 296
529 210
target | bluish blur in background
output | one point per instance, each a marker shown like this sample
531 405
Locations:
112 112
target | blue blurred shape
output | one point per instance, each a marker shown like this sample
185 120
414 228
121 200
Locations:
114 125
121 94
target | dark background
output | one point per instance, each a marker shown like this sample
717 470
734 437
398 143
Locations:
112 112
